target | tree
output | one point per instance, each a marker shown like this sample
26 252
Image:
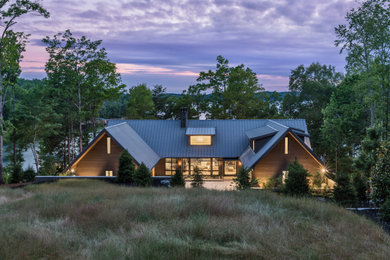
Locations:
235 93
380 176
142 176
311 88
344 192
140 104
80 74
243 180
197 181
126 169
10 11
160 100
297 183
177 179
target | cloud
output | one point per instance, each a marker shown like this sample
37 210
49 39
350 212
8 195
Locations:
183 37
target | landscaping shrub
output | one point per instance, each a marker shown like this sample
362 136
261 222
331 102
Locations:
126 168
360 186
297 183
29 174
177 179
142 176
380 180
344 192
318 180
385 210
274 183
17 174
244 180
197 181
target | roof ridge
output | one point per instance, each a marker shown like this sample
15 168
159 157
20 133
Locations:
115 125
278 123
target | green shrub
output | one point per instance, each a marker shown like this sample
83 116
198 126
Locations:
177 179
344 192
385 210
29 174
360 186
318 179
197 181
16 174
380 180
243 180
126 168
297 183
142 176
274 183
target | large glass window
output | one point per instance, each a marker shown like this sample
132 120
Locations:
186 166
231 167
170 166
200 140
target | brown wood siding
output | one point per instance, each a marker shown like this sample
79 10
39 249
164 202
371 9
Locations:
159 169
276 161
96 161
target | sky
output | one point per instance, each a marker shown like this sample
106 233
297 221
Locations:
169 42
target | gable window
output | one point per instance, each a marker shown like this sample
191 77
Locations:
200 140
108 145
286 145
171 164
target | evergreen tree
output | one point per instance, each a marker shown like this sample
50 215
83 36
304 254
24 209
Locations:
126 168
360 185
142 176
380 180
344 192
177 179
197 181
297 183
243 180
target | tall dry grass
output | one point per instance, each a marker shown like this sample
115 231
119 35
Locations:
96 220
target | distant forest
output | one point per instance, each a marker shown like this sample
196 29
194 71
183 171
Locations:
347 115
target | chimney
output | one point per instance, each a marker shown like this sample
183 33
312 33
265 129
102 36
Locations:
183 117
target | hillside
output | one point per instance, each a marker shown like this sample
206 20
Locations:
96 220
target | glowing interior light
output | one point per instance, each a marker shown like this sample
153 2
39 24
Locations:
286 145
200 140
108 145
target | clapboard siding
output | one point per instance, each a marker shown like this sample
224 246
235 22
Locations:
276 161
96 161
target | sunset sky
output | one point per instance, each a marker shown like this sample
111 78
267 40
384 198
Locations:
169 42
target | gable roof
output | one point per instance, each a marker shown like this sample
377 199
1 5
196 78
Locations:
126 137
167 139
200 131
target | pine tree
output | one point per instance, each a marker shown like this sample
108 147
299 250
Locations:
142 176
244 180
126 168
297 183
344 192
177 180
197 181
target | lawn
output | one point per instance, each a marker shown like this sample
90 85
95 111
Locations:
95 220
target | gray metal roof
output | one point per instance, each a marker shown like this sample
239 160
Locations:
166 139
200 131
259 132
249 159
141 152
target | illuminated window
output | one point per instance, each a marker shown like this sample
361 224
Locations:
200 140
109 173
108 145
171 164
230 167
284 176
286 145
186 166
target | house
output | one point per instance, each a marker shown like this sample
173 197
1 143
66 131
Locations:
217 147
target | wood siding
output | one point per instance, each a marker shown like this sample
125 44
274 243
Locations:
276 161
96 161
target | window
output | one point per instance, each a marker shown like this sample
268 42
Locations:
286 145
109 173
108 145
284 176
171 164
200 140
231 167
186 166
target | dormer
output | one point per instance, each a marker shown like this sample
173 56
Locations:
200 136
258 137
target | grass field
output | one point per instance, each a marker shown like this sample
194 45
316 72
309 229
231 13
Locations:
95 220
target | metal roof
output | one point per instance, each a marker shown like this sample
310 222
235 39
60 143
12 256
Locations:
200 131
260 132
126 137
167 139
